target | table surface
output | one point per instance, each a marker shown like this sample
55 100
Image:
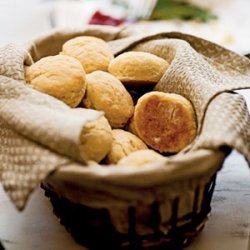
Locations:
37 228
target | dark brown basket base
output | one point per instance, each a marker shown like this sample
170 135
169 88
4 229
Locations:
93 228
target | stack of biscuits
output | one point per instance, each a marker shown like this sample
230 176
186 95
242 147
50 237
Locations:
139 125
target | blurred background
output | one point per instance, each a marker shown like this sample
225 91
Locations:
226 22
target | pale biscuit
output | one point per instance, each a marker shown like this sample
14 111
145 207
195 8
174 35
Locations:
138 68
60 76
141 157
96 140
165 122
93 53
106 93
123 144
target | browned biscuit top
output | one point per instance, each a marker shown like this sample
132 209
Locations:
165 122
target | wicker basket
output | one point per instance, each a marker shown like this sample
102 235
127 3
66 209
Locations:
99 226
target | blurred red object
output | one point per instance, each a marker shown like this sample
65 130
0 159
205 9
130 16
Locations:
100 18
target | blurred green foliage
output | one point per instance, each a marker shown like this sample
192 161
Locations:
171 9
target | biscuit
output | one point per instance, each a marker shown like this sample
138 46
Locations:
165 122
136 68
106 93
141 157
93 53
60 76
123 144
95 140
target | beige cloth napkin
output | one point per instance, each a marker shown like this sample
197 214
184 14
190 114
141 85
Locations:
38 133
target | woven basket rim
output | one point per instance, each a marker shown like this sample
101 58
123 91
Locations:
210 160
181 168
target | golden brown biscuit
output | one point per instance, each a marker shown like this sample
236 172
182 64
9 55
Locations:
123 144
93 53
60 76
138 68
165 122
96 140
141 157
106 93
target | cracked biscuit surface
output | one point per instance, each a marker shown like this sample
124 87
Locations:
106 93
60 76
93 53
165 122
123 144
137 68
